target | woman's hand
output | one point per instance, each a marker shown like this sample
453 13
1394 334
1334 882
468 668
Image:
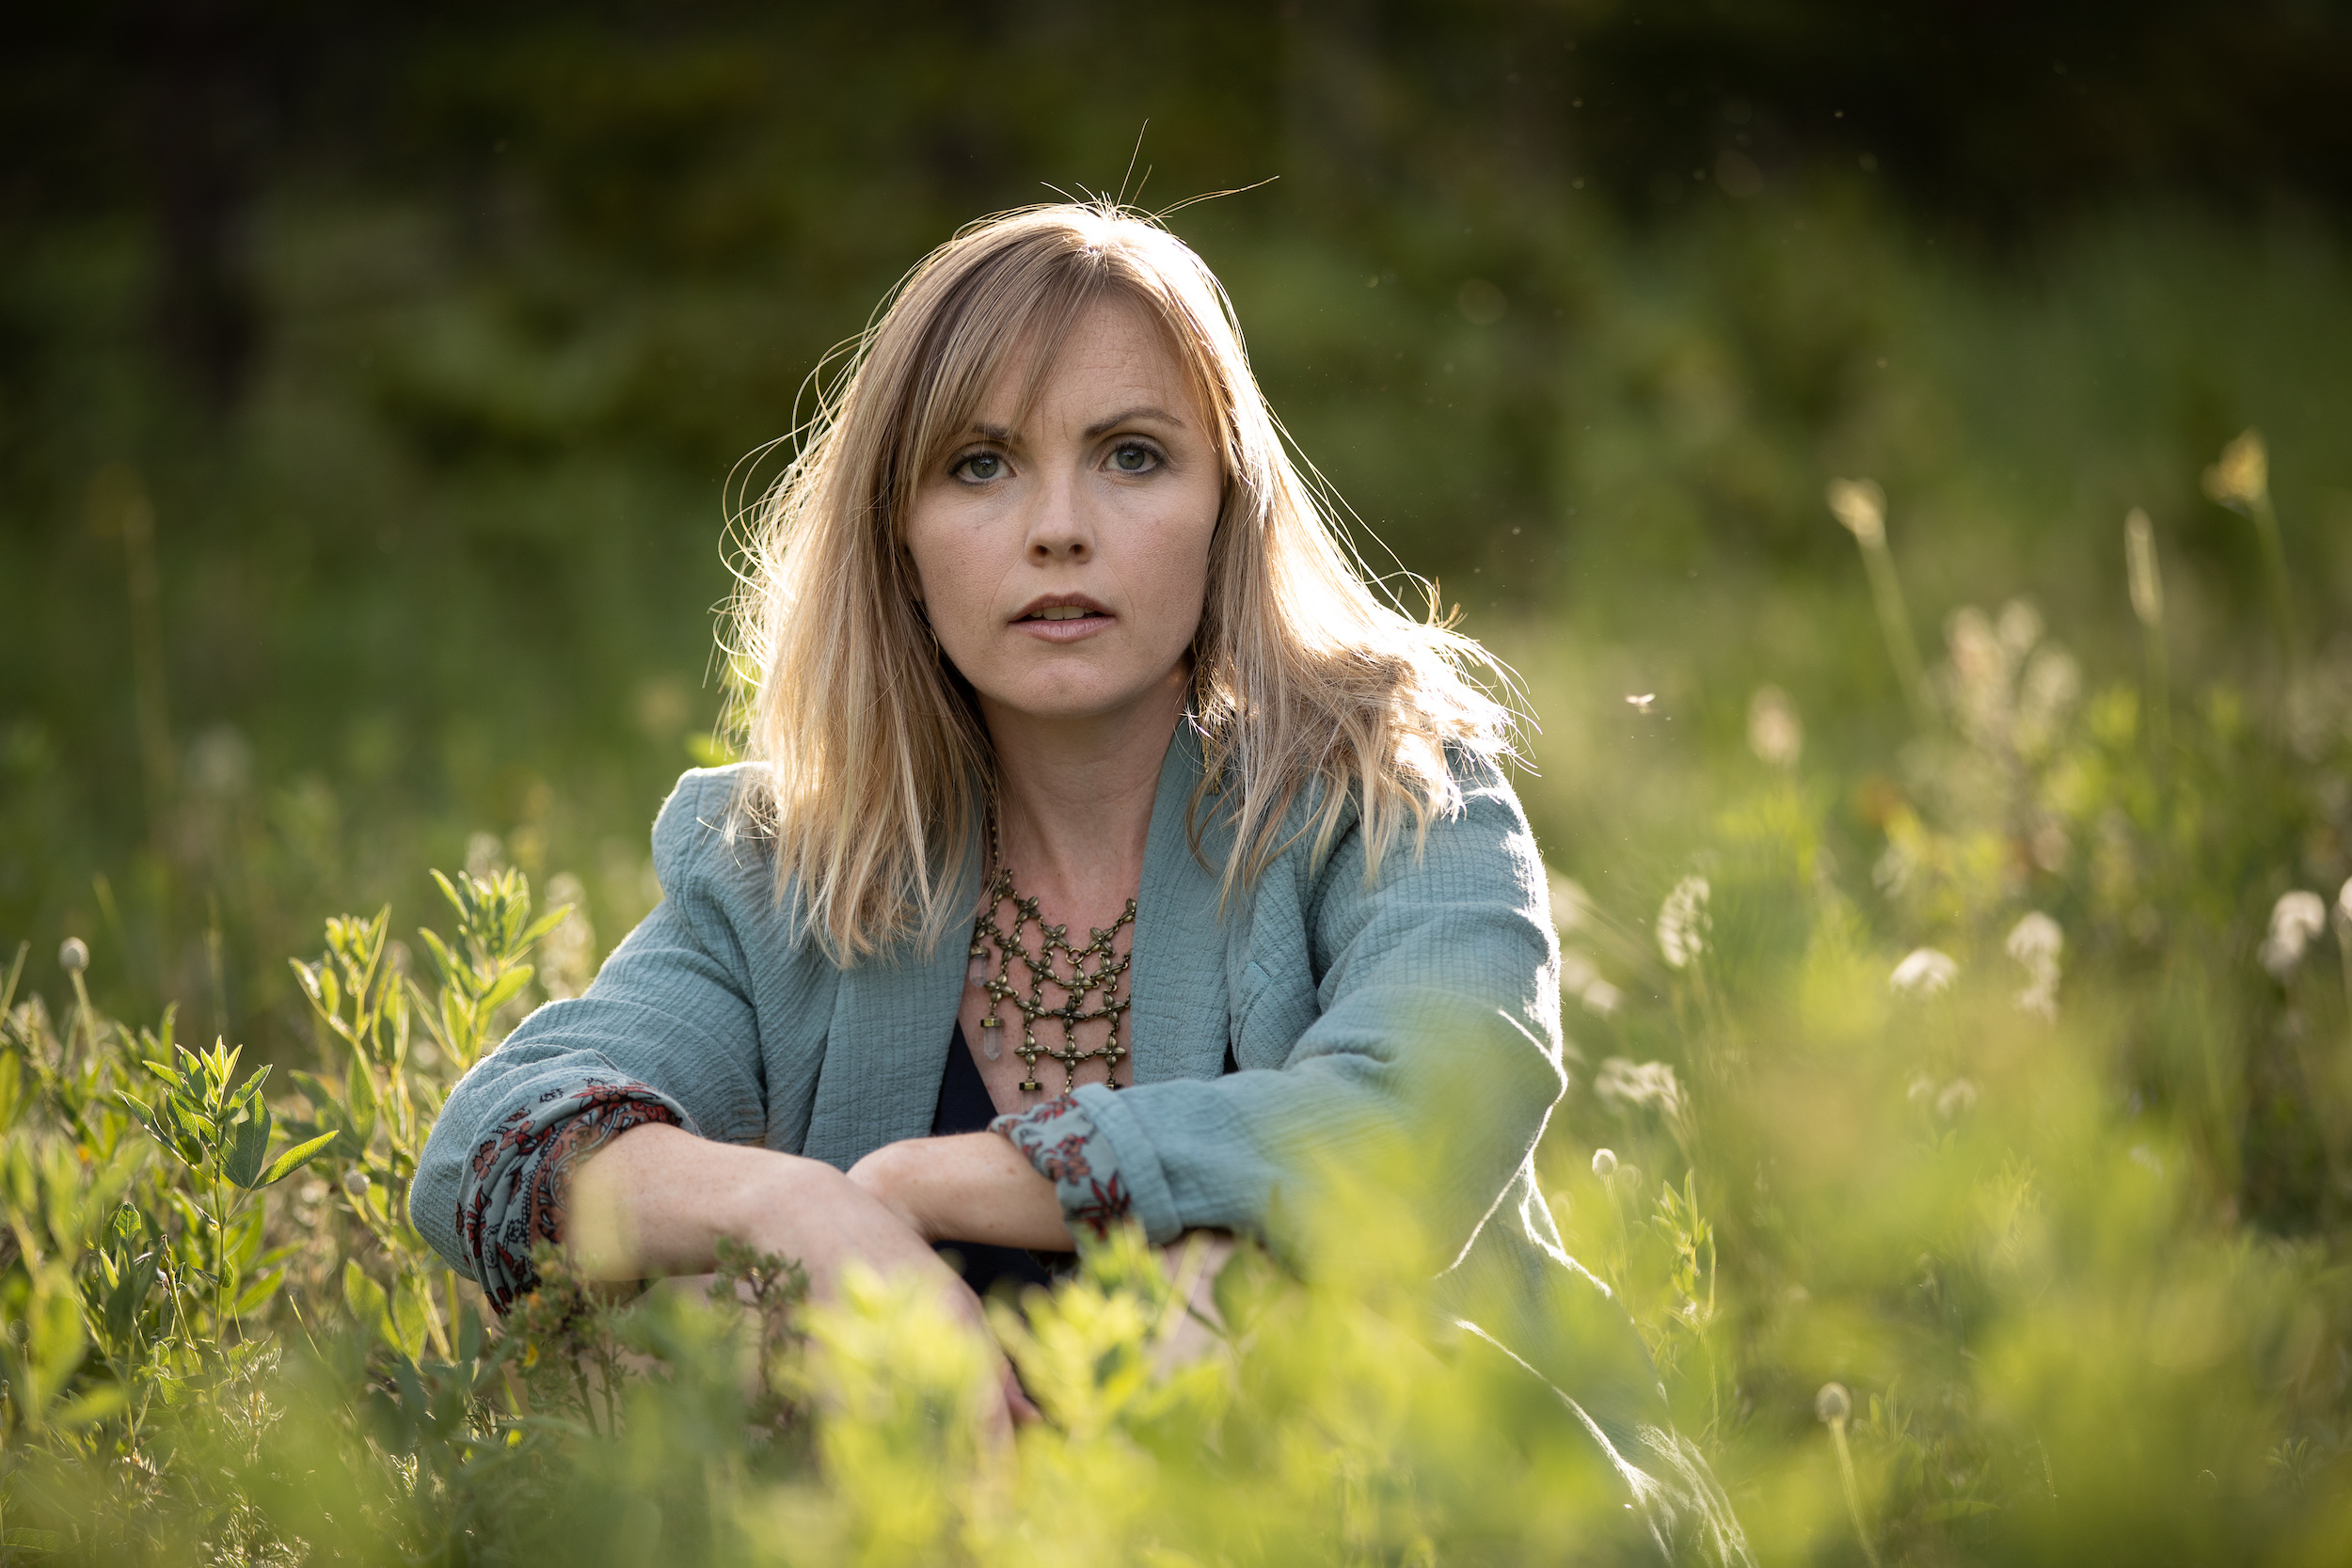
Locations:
657 1200
971 1187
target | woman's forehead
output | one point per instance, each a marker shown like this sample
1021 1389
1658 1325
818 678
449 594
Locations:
1116 356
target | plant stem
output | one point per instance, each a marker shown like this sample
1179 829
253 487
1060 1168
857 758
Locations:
1886 592
1853 1491
2275 557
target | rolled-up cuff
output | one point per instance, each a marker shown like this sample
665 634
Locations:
515 1186
1069 1150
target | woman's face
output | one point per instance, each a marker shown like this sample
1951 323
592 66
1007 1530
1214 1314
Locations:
1063 560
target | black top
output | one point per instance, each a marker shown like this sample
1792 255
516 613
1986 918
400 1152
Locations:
966 1107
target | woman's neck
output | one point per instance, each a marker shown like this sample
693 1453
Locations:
1077 793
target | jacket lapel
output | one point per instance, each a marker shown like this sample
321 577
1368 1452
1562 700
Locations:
887 1046
1177 1025
893 1015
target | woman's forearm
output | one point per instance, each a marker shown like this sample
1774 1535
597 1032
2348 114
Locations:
970 1187
657 1200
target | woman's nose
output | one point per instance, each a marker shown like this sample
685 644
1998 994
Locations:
1058 528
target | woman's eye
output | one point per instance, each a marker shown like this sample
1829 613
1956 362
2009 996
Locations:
1135 458
980 466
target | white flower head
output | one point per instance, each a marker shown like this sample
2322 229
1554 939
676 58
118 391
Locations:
1924 972
1604 1163
2295 920
1775 734
1860 506
1682 922
1624 1083
2035 942
2344 900
1959 1096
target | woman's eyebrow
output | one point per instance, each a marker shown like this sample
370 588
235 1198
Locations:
1147 412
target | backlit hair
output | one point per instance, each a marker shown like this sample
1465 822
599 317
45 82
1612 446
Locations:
872 770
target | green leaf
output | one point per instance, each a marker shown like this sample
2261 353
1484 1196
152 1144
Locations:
411 1313
258 1293
32 1540
444 963
294 1159
367 1303
359 1100
503 990
317 1091
251 1088
91 1407
249 1147
540 928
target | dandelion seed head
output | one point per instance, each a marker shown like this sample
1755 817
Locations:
1832 1404
1601 999
1624 1084
1604 1163
1924 971
2295 920
2035 942
1683 923
74 954
2036 938
2241 480
1775 734
1860 505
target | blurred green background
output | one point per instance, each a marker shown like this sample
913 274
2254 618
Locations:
372 380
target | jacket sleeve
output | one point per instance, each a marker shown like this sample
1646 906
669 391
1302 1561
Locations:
666 1033
1431 1070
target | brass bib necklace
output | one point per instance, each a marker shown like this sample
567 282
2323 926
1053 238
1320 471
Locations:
1076 985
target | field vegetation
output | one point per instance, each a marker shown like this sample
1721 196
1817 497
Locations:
1930 599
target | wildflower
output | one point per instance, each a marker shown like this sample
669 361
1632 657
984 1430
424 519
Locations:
1832 1404
1924 972
2241 481
2036 943
356 1182
1641 702
2344 902
74 954
1861 506
1682 923
1959 1096
1581 979
1604 1163
1624 1083
2295 920
1775 734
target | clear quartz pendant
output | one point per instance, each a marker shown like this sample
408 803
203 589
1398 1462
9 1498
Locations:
976 978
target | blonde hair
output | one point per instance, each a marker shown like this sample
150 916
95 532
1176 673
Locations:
872 769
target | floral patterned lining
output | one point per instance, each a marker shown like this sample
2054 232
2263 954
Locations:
1069 1150
514 1193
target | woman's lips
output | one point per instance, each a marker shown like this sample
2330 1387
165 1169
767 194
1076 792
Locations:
1075 629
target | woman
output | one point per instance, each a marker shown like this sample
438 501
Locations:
1051 637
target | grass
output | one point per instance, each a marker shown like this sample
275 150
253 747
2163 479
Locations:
1978 1175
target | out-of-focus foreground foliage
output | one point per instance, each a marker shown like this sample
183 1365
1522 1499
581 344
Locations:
1980 1201
1960 993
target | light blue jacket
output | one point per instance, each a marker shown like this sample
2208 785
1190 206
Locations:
1418 1012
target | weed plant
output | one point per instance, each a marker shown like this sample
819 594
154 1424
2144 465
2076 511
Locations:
1967 1128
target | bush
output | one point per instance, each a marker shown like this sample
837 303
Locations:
1966 1131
